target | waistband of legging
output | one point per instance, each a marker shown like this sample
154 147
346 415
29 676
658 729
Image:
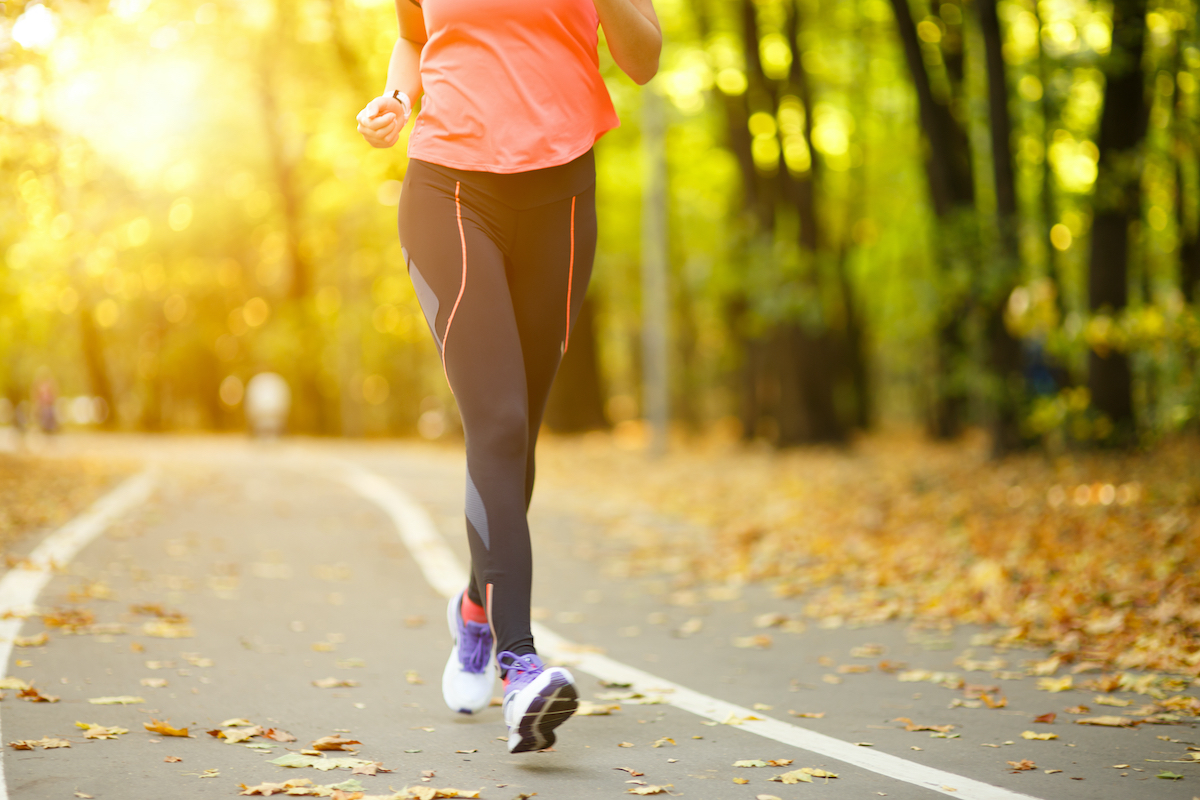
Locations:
522 190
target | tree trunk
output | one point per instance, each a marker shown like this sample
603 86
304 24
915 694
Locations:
1187 219
952 191
1117 206
1004 350
576 402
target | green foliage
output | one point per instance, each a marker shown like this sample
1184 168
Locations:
187 182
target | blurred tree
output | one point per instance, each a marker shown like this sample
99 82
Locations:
1004 270
938 39
1117 209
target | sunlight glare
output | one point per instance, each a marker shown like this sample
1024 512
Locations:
36 29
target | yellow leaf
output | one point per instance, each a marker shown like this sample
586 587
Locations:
1042 736
1056 684
123 700
37 640
161 727
741 780
589 709
795 776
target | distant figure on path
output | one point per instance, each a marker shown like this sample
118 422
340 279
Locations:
498 226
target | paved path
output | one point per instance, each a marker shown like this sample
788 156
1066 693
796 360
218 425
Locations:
287 574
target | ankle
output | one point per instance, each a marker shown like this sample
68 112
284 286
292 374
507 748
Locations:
472 611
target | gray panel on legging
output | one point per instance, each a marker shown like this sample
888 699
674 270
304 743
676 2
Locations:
426 297
476 513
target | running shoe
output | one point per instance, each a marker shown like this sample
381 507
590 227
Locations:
537 699
470 673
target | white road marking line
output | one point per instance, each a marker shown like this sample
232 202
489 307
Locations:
447 576
21 585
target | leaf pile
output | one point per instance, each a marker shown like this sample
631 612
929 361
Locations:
43 492
1087 554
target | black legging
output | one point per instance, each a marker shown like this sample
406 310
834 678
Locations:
500 264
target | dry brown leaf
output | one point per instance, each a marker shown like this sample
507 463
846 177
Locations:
1077 710
912 726
625 744
94 731
1023 764
46 743
630 770
648 790
990 702
335 742
34 696
369 769
268 789
161 727
1046 718
172 759
1109 722
275 734
237 735
808 714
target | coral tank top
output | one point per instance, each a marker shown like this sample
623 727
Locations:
510 85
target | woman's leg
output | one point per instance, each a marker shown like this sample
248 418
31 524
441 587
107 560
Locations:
552 256
453 241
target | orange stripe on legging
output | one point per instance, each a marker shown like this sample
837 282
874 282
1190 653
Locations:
463 287
570 277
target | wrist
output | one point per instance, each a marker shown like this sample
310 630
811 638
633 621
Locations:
404 101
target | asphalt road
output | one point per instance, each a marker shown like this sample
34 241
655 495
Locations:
281 575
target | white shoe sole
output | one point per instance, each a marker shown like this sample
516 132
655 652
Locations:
539 708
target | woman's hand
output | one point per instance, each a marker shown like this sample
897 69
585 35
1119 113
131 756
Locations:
381 121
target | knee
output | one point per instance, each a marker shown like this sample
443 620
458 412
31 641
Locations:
502 432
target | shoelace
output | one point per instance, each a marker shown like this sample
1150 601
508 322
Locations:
475 647
526 667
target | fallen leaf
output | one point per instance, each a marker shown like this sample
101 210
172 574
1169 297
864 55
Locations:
762 707
912 726
662 741
297 760
369 768
808 714
237 735
1042 736
37 640
1046 718
1108 722
630 770
795 776
853 669
1023 764
172 759
275 734
94 731
645 790
334 683
1051 771
411 676
765 797
1171 776
589 709
779 762
46 743
154 683
760 641
34 696
161 727
753 762
741 780
123 700
990 702
1077 710
1104 700
335 742
625 744
1056 684
167 629
13 683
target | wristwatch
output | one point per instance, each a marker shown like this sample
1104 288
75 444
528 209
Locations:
405 103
